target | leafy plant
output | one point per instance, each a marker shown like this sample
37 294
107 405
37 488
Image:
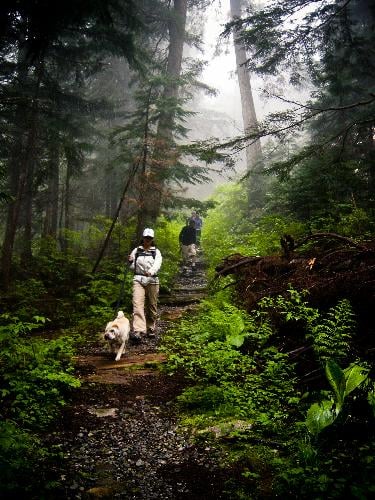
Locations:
343 382
294 307
20 452
332 334
167 241
213 349
36 377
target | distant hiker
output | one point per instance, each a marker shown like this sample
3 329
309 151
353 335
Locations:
188 240
198 224
145 260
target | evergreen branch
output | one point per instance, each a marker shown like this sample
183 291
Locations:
250 139
329 19
322 110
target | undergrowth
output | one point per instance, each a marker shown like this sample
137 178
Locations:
36 381
245 395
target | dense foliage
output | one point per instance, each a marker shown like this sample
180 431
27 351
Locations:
245 394
283 433
93 103
37 377
93 100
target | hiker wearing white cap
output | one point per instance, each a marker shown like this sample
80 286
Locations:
145 261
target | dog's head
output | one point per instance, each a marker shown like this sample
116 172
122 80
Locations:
111 332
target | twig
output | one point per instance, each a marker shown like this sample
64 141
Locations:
333 236
246 260
300 350
322 110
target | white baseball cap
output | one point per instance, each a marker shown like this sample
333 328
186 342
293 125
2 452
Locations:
148 232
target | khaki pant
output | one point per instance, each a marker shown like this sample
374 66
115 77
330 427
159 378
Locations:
145 306
189 253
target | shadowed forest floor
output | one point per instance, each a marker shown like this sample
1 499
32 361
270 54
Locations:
119 438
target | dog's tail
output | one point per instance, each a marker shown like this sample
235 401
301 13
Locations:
120 314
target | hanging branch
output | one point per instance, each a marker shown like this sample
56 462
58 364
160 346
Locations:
142 158
130 178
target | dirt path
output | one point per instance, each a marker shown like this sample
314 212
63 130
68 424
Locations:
120 437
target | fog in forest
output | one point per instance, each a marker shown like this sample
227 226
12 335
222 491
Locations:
220 116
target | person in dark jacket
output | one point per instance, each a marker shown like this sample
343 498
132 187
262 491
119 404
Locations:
188 241
198 225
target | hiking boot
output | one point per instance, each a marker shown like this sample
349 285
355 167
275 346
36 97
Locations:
136 337
151 333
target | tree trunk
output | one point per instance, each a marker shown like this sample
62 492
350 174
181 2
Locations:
250 122
26 253
142 179
67 203
164 154
52 201
19 167
22 159
115 217
109 195
66 217
371 169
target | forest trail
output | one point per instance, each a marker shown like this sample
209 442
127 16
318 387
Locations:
119 438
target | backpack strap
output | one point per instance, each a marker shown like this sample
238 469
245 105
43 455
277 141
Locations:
140 253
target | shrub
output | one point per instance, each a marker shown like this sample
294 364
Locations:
331 336
227 228
36 374
36 377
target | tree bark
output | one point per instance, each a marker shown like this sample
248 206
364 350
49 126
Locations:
26 253
250 122
163 157
19 167
52 201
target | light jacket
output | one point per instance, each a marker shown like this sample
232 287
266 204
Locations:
146 264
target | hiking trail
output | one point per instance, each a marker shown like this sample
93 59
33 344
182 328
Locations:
119 438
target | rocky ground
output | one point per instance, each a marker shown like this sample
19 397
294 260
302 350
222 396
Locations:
120 438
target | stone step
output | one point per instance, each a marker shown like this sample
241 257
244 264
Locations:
188 289
177 298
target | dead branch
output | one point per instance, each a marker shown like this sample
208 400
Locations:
297 352
246 260
333 236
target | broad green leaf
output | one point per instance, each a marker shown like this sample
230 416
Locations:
336 378
236 325
354 376
236 340
320 415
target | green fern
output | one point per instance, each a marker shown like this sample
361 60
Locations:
332 334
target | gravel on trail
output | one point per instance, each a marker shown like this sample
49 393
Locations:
120 436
